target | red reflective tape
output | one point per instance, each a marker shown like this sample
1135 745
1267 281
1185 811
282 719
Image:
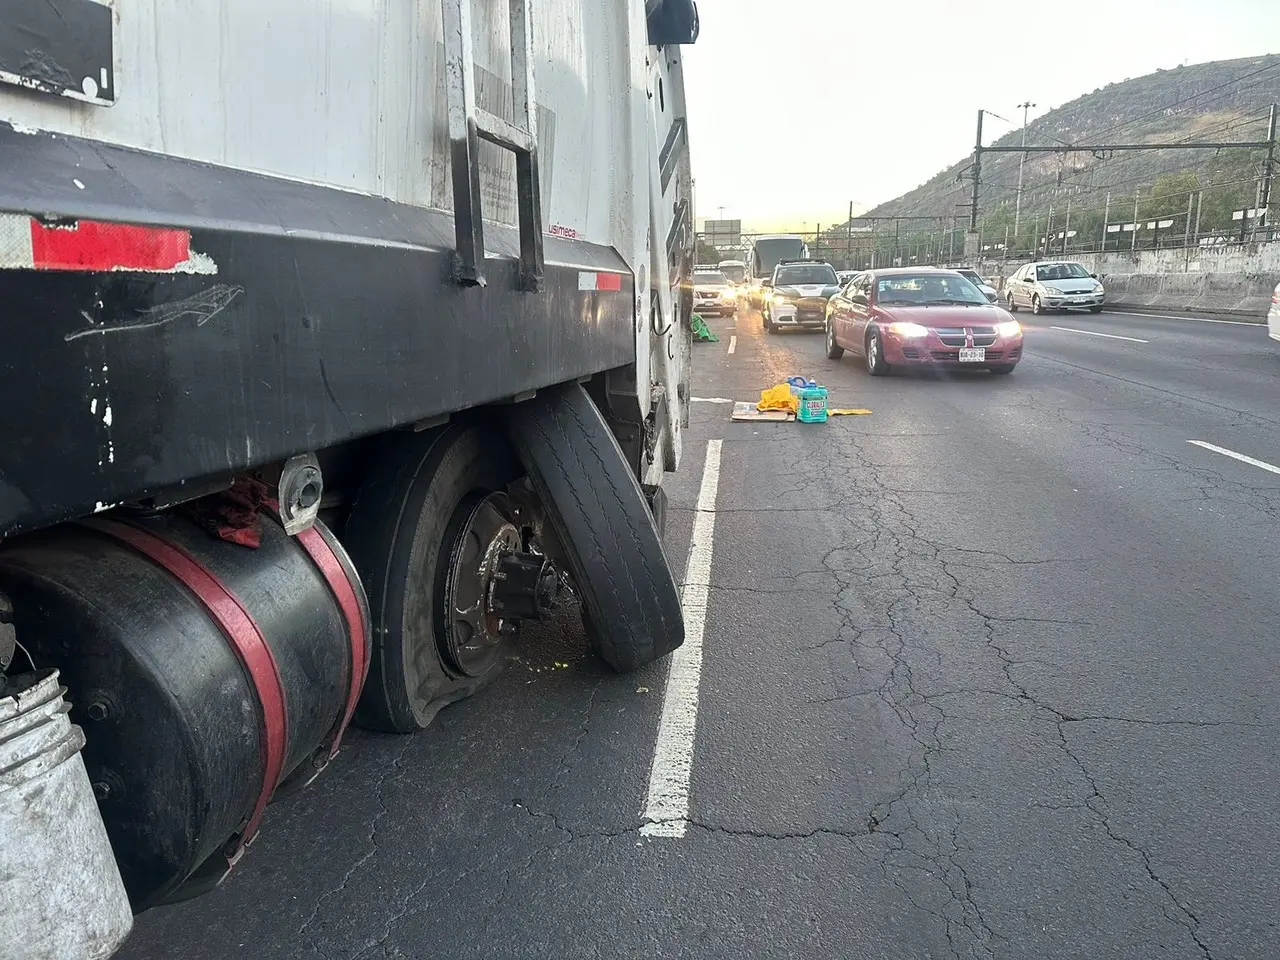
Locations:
245 639
609 282
331 568
94 245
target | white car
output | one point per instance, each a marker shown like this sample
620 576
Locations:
713 294
1054 285
986 289
1273 315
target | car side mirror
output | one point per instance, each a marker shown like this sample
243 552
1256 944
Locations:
1094 275
860 298
766 283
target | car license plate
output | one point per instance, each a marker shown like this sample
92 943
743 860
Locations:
973 354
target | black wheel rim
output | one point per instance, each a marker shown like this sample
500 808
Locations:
481 533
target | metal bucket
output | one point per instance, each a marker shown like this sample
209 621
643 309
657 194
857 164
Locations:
61 897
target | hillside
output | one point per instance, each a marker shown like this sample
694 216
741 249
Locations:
1219 101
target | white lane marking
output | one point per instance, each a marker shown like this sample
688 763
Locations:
710 400
1260 464
1094 333
666 811
1164 316
733 344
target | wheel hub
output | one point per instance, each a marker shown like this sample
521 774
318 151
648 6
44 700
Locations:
492 583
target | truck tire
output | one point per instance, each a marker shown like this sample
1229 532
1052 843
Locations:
604 528
402 536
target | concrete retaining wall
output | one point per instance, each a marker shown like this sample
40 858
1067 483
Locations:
1231 279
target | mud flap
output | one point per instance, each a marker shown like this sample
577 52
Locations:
603 522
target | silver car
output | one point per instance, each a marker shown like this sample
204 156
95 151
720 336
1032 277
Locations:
1054 285
1273 315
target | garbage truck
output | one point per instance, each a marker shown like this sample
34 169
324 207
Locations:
337 342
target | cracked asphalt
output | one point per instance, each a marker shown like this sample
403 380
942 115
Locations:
989 673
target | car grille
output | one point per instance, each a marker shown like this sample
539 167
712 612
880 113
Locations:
955 336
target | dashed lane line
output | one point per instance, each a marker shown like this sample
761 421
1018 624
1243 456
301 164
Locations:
1165 316
733 344
666 811
1260 464
1094 333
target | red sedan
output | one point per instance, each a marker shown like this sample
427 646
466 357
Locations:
919 316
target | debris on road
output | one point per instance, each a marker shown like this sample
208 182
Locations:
746 410
701 332
847 412
780 397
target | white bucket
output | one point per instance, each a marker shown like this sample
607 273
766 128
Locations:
61 897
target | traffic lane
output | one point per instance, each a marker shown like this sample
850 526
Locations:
504 791
1205 377
969 649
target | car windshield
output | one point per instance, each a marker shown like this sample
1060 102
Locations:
714 279
1061 271
805 274
970 275
928 288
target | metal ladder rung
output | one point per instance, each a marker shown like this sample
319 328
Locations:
468 125
493 128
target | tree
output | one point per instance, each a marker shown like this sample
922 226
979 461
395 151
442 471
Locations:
706 253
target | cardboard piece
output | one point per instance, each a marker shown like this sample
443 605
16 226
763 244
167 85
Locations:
746 410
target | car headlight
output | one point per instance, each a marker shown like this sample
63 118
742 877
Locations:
1009 328
727 295
908 330
1049 288
781 298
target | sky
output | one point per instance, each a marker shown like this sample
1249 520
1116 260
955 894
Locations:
797 108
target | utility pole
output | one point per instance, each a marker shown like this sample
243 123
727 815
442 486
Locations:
1133 248
977 176
1048 232
1199 204
1186 227
1022 158
848 241
1269 167
1106 215
1067 229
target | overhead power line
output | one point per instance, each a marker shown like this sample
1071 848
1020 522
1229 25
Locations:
1100 148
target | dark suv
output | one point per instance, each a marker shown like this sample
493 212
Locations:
798 294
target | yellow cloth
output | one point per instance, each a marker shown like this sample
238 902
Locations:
846 412
778 398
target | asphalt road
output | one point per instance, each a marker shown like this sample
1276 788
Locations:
987 673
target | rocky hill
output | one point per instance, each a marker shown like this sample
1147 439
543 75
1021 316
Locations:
1219 101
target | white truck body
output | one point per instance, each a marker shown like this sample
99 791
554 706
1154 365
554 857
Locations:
352 94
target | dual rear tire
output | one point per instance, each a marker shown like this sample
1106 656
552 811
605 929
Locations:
436 514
